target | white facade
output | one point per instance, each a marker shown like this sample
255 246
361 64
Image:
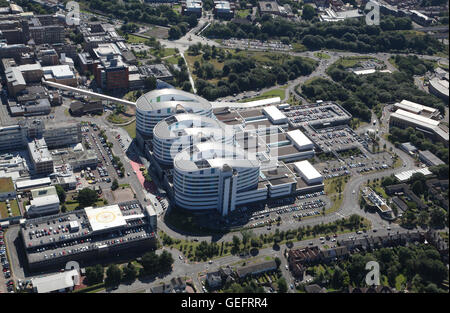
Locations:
308 172
300 140
175 133
211 176
159 104
45 205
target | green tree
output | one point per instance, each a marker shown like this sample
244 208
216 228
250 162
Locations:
94 274
87 197
282 285
61 193
113 275
150 83
174 32
308 12
115 184
165 261
278 262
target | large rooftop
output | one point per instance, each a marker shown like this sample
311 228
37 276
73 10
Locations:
169 99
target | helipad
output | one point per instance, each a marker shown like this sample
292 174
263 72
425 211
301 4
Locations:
105 217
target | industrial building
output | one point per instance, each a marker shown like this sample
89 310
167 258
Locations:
428 126
86 235
429 158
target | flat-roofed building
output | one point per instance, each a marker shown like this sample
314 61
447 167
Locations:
299 140
61 74
62 134
40 156
268 7
223 9
58 282
308 172
404 119
88 235
26 185
429 158
45 202
192 7
12 138
416 108
275 115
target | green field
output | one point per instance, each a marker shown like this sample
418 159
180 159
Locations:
321 55
279 92
131 129
136 39
243 13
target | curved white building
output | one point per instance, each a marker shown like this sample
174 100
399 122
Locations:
214 176
159 104
178 132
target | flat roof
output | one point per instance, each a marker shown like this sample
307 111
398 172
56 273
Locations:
105 217
59 71
44 200
299 138
431 157
414 107
33 182
307 170
274 113
407 174
415 118
42 192
56 281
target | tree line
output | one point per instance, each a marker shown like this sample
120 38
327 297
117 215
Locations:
350 35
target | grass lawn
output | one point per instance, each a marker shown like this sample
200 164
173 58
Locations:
279 92
298 47
14 209
348 62
131 129
242 13
118 118
331 189
136 39
173 59
321 55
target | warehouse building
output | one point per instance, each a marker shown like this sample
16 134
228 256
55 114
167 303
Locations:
428 126
429 158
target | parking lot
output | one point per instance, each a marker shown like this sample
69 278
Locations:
359 164
316 114
6 284
286 209
336 138
105 171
